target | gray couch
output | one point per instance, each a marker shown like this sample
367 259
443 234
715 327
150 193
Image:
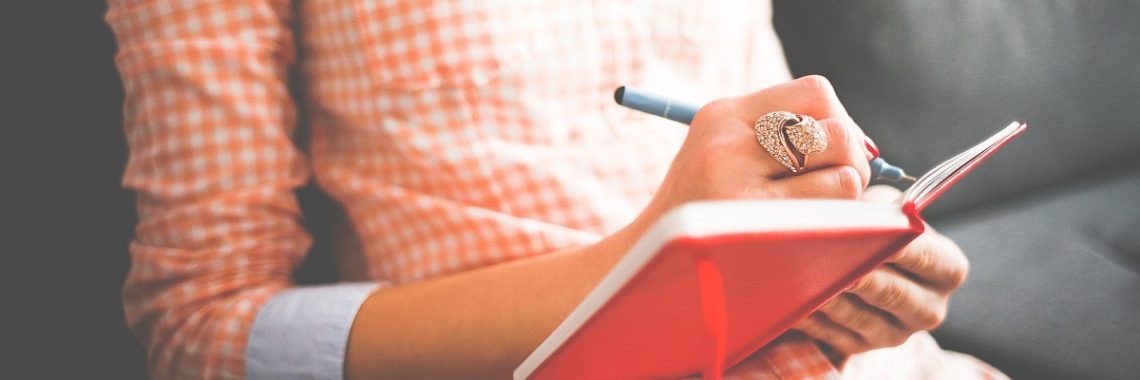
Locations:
1052 223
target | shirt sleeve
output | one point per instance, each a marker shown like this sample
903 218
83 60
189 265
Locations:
302 333
209 121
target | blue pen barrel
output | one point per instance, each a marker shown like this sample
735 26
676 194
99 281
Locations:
880 169
637 99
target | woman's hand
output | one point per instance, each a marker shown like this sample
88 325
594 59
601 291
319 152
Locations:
721 159
907 295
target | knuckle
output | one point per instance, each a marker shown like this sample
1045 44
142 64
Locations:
830 335
854 132
961 267
837 131
893 296
712 111
714 108
847 312
923 258
835 337
851 136
842 311
939 316
811 326
930 318
844 133
959 274
859 319
817 83
848 183
863 285
849 343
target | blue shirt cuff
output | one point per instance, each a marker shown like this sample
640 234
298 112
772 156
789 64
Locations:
302 333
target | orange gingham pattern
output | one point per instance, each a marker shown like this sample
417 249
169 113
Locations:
457 135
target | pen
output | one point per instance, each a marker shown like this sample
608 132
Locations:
682 112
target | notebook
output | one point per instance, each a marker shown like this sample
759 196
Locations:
710 283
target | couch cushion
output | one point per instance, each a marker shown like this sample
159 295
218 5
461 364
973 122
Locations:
928 78
1054 288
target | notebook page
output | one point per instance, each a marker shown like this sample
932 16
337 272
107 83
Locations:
935 179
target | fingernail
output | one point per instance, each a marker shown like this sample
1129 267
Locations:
871 147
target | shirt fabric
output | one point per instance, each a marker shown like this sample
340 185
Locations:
456 134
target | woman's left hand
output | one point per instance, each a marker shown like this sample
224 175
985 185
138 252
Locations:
904 296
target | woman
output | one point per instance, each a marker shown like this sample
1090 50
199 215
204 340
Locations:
488 181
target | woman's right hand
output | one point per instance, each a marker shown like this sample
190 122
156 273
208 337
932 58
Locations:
721 159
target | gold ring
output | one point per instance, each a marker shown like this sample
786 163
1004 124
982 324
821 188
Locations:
789 138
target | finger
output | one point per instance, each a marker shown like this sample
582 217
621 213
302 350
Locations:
875 327
881 193
844 147
818 327
914 306
935 260
838 182
811 95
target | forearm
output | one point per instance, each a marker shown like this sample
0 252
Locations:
477 324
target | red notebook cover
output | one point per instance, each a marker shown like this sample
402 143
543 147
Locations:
689 300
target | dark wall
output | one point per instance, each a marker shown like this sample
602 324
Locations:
66 214
64 210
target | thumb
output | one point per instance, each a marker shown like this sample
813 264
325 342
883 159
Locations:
840 182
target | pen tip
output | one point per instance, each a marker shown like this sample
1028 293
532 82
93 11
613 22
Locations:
909 178
619 94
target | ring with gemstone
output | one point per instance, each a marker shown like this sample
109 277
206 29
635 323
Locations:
789 138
